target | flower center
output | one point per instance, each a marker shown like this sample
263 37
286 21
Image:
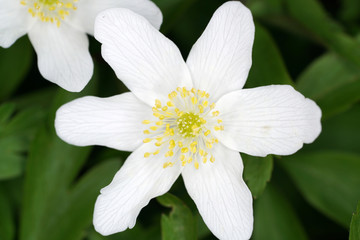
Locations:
189 124
183 128
53 11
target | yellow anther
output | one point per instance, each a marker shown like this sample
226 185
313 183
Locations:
159 123
208 145
194 100
193 90
205 103
23 3
154 128
201 152
146 132
68 5
193 149
183 163
157 103
219 121
196 165
190 159
184 150
207 95
212 159
156 152
170 153
212 106
158 144
207 132
147 154
165 165
215 113
182 157
217 128
161 117
170 104
154 109
146 140
180 144
201 108
164 108
156 114
204 159
172 144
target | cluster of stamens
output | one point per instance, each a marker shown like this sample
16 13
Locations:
183 127
52 11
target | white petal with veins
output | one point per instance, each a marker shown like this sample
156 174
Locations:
266 120
113 122
134 185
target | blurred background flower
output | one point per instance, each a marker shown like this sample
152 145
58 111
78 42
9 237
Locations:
48 188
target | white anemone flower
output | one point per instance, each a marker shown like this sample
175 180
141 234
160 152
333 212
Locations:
57 30
188 118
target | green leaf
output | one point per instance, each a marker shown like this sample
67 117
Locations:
340 132
15 62
180 223
332 83
257 173
268 67
329 180
52 165
79 203
7 225
275 218
355 224
312 16
16 131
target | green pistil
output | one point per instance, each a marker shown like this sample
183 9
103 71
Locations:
189 124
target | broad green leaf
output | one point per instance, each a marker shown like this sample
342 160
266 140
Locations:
16 131
257 173
78 204
355 224
313 17
275 218
268 67
340 132
6 110
7 225
14 65
180 223
52 165
332 83
329 180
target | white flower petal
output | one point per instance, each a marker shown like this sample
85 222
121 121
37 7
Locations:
273 119
149 64
221 59
84 16
63 55
135 184
223 199
114 122
15 21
